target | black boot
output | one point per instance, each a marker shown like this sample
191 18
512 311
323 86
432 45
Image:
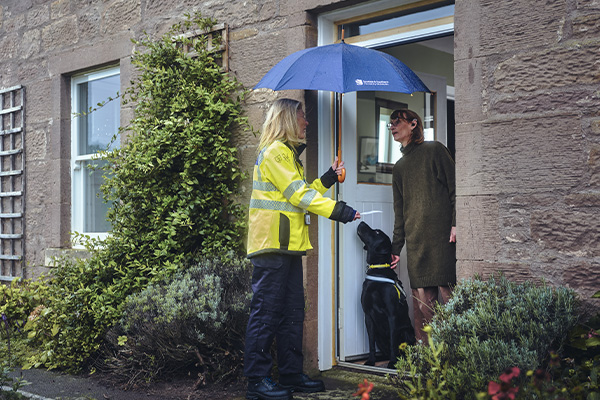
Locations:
266 389
301 383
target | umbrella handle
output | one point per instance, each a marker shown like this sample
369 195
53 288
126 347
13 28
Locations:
342 177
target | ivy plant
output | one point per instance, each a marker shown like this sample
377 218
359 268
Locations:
172 187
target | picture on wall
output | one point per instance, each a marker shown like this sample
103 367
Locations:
368 155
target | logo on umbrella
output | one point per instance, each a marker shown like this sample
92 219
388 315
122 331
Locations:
360 82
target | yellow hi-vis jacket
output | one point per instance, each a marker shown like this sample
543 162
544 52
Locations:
280 199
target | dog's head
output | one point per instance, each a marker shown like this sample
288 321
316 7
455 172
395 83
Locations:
377 244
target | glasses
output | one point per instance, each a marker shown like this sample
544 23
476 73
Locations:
395 122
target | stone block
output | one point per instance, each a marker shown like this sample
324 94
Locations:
60 34
85 57
568 100
595 127
504 29
568 232
583 199
584 276
466 30
37 16
89 25
587 5
468 142
550 68
252 58
8 47
120 15
594 165
586 25
36 146
60 8
33 71
242 34
477 228
527 155
470 80
37 96
30 44
13 22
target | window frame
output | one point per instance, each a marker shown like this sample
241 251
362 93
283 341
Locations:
78 206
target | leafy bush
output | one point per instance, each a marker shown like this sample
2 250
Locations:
488 326
194 321
17 301
172 187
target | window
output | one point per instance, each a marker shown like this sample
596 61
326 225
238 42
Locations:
92 132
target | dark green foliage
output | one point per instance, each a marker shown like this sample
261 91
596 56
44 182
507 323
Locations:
489 326
172 187
173 182
194 321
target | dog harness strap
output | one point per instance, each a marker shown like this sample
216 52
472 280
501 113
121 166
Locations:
380 266
393 282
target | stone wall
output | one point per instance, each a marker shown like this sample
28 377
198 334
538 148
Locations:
43 43
528 140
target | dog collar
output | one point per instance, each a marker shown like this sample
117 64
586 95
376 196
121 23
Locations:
380 266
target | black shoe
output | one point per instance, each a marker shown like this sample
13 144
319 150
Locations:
266 389
301 383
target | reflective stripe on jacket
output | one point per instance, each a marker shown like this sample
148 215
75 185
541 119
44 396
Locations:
280 196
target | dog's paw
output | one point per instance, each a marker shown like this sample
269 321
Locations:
370 362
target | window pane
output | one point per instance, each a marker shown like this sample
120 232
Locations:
95 209
96 129
390 21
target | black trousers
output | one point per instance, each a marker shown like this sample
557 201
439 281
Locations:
276 311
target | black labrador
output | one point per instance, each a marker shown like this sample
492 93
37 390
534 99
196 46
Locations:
383 299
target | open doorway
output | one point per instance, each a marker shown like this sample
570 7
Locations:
425 44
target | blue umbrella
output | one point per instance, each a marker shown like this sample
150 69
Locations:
342 68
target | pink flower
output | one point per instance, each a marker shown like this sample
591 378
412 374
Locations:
504 390
509 374
364 389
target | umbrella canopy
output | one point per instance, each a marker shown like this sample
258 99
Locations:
342 68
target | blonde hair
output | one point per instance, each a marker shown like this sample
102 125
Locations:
281 124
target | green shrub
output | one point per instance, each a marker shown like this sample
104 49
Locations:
488 326
172 188
18 300
194 321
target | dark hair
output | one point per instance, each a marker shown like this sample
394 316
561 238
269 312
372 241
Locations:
408 115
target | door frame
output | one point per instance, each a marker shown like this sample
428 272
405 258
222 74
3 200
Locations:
329 239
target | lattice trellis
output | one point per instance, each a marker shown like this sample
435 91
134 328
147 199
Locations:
12 182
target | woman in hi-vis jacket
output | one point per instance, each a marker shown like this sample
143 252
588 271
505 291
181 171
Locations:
277 240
